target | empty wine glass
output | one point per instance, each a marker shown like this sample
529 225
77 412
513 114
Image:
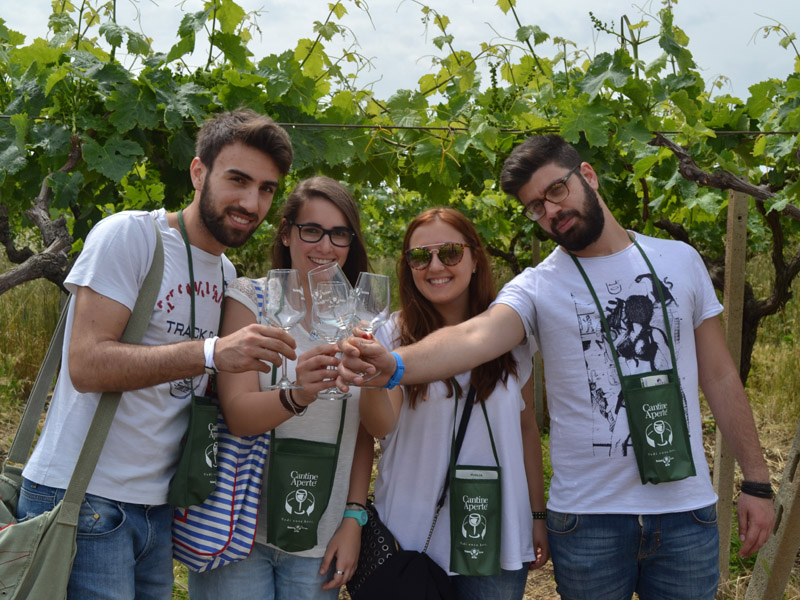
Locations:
372 305
372 301
284 306
331 313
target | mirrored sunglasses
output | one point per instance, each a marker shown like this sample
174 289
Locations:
450 254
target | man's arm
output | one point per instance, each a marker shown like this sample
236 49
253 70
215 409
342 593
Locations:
534 473
441 354
722 387
99 362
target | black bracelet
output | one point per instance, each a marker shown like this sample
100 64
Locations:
358 504
299 409
290 405
758 489
539 515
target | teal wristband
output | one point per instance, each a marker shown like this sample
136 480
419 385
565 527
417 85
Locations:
359 515
398 372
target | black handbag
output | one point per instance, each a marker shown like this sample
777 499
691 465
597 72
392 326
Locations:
387 572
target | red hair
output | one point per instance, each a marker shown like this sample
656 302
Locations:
418 317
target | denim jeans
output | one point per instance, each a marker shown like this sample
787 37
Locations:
671 556
508 585
267 574
124 550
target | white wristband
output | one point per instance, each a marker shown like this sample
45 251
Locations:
208 350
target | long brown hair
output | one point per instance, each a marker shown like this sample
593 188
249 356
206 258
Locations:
418 317
333 191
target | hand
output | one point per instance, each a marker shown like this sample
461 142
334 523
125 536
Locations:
313 374
247 348
361 358
756 519
540 545
345 546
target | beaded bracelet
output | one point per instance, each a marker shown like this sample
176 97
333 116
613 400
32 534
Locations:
758 489
539 515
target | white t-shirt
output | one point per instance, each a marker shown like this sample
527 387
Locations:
416 455
319 423
594 468
143 445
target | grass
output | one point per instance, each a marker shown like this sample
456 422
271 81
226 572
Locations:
28 315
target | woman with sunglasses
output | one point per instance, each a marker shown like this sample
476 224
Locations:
319 225
444 279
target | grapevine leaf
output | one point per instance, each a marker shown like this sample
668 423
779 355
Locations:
113 33
233 48
114 159
603 69
591 119
131 107
230 16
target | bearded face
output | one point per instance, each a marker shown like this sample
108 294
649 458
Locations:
215 218
589 222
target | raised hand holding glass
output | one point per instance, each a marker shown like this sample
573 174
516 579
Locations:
332 311
284 306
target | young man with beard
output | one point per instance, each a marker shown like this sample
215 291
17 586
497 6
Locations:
124 538
609 534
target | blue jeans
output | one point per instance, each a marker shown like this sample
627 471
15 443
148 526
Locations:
509 585
672 556
267 574
124 550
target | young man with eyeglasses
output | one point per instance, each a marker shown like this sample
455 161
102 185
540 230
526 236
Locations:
609 534
124 542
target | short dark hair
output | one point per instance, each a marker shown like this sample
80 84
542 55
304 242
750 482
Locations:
531 155
333 191
248 127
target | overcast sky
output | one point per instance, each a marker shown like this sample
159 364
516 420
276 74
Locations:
720 31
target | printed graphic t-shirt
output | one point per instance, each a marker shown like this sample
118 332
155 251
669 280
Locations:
594 469
143 445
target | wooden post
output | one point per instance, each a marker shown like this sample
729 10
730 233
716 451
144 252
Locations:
733 299
776 558
538 367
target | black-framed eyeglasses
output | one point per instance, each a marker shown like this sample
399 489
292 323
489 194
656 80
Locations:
556 194
312 233
449 253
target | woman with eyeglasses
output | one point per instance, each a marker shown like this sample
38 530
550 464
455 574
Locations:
319 225
445 278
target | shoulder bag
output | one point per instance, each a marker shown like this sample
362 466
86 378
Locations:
222 529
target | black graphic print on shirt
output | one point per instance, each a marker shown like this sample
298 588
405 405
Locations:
635 318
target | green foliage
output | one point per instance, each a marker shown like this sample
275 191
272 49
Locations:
440 142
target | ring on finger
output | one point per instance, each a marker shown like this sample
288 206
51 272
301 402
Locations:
340 572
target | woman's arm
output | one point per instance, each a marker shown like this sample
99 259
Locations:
345 545
247 409
380 409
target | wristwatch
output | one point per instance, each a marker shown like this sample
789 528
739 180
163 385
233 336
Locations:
359 515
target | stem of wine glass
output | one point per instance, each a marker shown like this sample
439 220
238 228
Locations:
283 363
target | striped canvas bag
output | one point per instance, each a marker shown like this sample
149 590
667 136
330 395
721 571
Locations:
222 529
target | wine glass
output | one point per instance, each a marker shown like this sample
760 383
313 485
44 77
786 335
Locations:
372 302
284 306
331 313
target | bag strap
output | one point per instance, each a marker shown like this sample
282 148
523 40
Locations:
107 406
607 329
456 448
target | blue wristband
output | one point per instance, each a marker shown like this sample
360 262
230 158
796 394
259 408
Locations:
398 372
